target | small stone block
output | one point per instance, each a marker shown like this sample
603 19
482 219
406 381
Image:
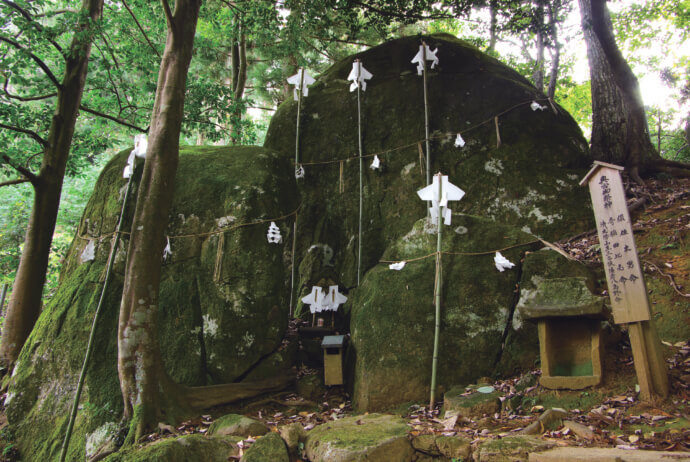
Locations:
561 297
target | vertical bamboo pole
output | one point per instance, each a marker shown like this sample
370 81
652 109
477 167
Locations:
294 263
426 118
96 316
299 107
437 327
361 174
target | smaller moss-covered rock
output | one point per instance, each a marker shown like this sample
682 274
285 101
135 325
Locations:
267 448
559 298
476 404
549 420
360 438
454 447
311 386
511 449
237 425
426 444
188 448
293 434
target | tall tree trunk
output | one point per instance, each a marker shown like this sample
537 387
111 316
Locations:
538 72
148 393
619 125
139 362
493 25
553 9
25 302
239 80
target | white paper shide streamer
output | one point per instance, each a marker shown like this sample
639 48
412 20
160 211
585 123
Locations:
425 52
376 163
273 235
299 172
536 106
140 145
502 263
89 252
359 76
459 142
302 77
449 192
167 251
320 300
397 266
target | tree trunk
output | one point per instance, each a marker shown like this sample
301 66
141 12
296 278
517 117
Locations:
149 394
142 379
553 9
619 126
239 79
25 302
493 25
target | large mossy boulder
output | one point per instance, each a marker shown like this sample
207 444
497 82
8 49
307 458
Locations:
223 303
392 313
529 181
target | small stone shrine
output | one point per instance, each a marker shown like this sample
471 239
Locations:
569 318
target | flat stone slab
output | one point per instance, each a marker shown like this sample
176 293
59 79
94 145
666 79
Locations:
237 425
369 437
560 297
607 455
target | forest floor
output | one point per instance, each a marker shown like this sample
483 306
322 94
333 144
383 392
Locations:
611 415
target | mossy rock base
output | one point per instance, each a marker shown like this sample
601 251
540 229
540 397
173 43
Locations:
189 448
471 406
360 438
267 448
223 302
511 449
237 425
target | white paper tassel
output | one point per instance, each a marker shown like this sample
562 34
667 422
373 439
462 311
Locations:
167 252
359 78
502 263
459 142
273 234
419 58
376 163
140 146
89 252
297 81
536 106
397 266
299 172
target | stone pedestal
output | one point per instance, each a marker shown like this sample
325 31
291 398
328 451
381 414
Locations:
568 317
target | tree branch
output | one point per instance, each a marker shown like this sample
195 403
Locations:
24 98
136 21
30 176
30 18
36 59
113 118
168 15
31 134
11 182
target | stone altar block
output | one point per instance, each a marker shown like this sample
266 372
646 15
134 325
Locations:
568 318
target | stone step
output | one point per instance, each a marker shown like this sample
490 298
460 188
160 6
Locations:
607 455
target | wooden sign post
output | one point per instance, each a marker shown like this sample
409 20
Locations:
624 276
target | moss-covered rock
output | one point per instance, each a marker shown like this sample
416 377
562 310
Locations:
237 425
223 299
189 448
360 438
473 405
511 448
267 448
529 181
392 318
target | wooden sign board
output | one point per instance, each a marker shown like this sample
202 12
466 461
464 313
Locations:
626 284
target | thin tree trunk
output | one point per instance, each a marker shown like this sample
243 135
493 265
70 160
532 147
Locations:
538 73
624 135
25 302
553 9
493 25
239 79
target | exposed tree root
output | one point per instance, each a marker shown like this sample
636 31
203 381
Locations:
214 395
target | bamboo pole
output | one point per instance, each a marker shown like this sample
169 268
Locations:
294 263
426 118
92 334
299 107
361 173
437 326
